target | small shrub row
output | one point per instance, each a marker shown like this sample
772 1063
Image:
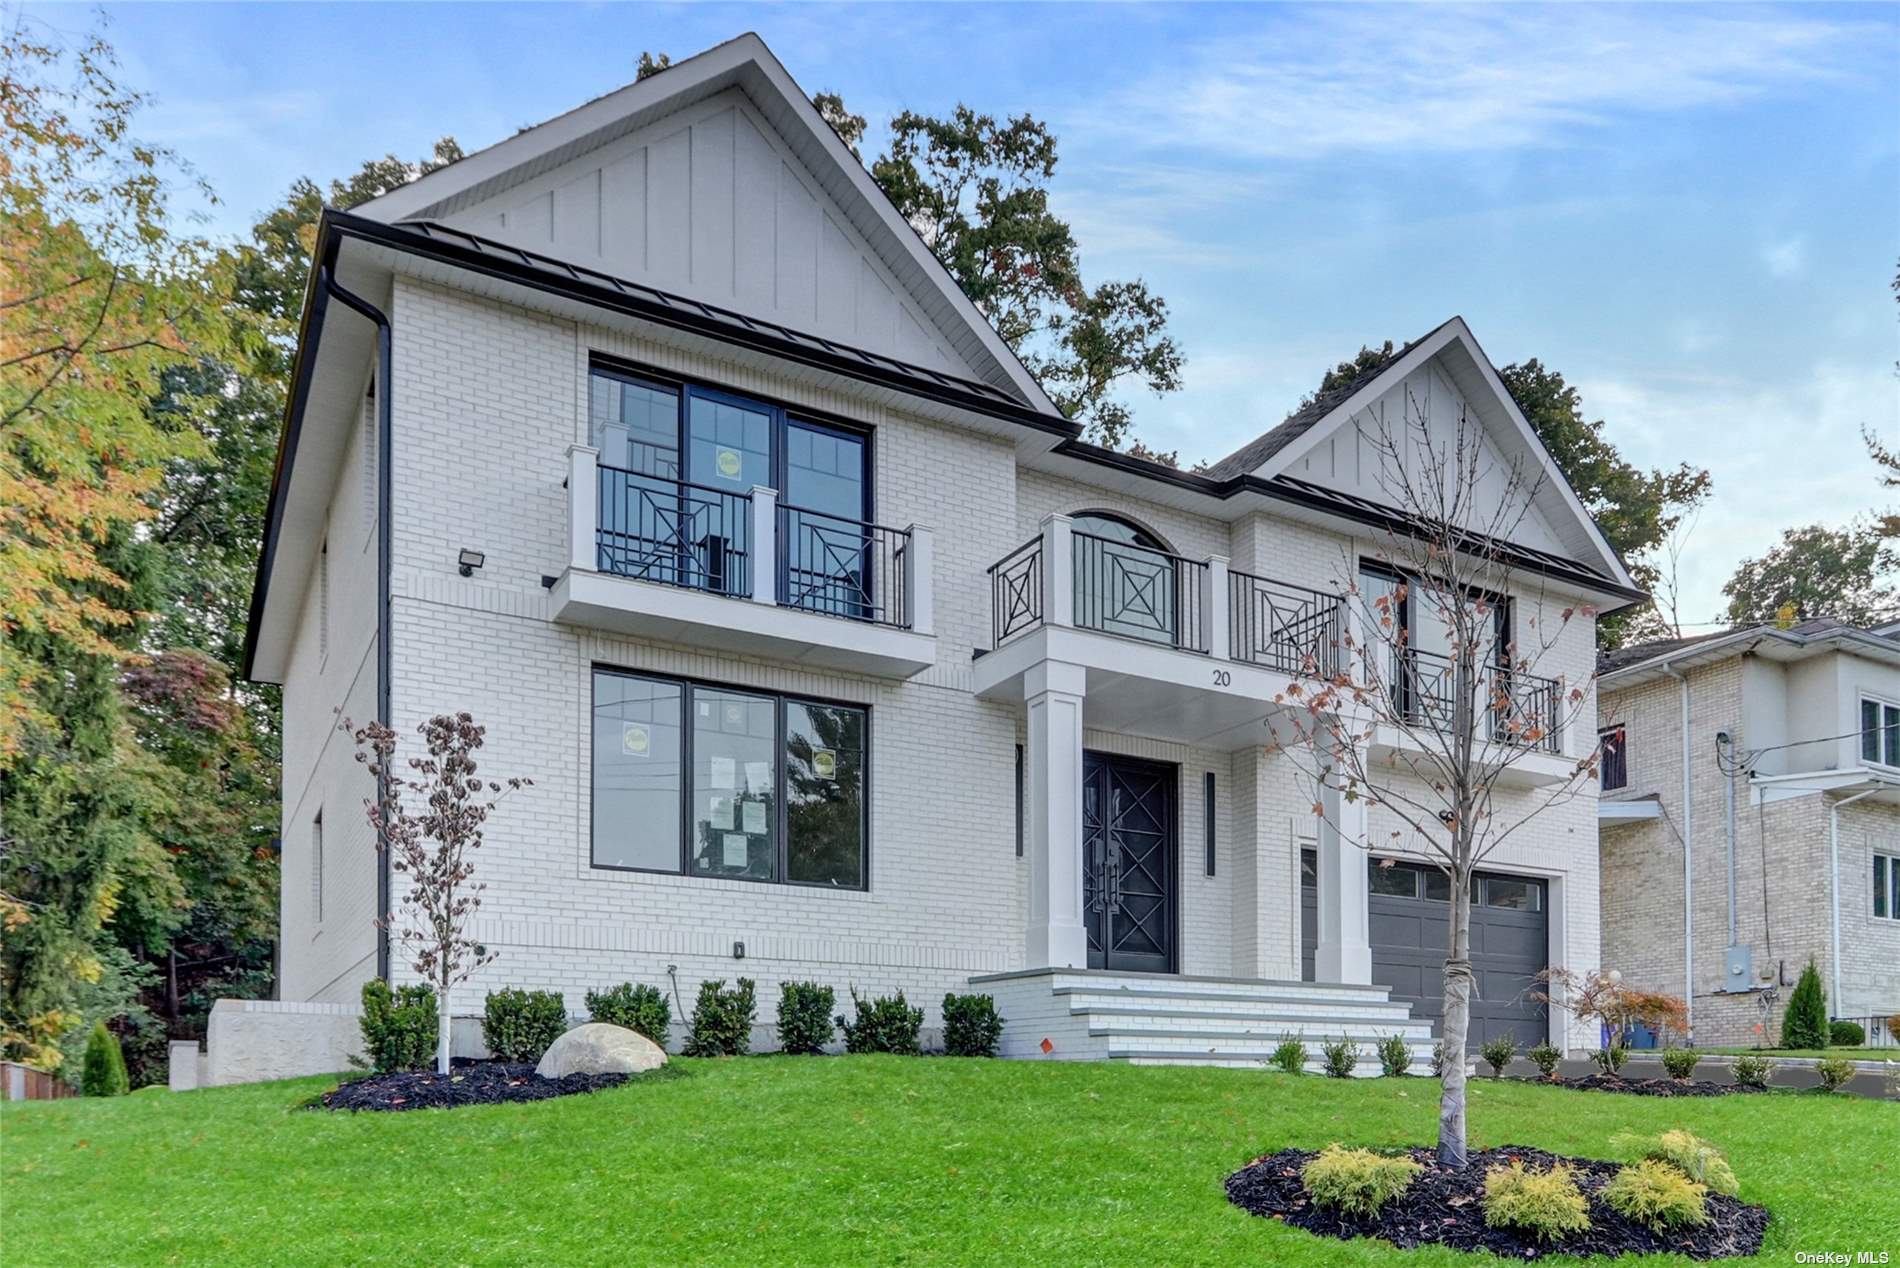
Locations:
1497 1054
1339 1057
1395 1056
1545 1057
1290 1056
1546 1204
1356 1181
1680 1063
1846 1034
520 1025
1657 1195
971 1026
722 1020
1750 1070
804 1017
1834 1072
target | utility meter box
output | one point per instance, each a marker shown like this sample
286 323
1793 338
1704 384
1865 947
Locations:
1741 969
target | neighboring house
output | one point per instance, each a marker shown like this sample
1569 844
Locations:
1791 802
833 652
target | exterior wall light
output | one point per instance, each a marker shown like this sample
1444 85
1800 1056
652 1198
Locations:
470 560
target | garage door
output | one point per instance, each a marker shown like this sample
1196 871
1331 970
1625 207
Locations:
1410 912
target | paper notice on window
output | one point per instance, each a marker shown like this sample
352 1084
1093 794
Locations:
723 770
758 776
634 740
736 849
729 463
754 818
721 814
824 763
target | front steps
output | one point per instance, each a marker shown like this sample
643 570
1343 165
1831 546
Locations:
1161 1019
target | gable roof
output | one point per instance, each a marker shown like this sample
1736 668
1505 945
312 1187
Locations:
746 63
1642 662
1255 452
1272 455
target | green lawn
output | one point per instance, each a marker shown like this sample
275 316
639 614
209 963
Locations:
1857 1054
867 1160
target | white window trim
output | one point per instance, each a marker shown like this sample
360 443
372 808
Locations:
1860 748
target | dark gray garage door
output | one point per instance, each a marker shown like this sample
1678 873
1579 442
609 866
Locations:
1410 910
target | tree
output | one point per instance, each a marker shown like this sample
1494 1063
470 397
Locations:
1842 573
432 848
1463 717
1804 1025
104 1065
976 190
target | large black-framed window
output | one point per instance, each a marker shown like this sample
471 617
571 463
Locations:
702 779
1879 731
678 429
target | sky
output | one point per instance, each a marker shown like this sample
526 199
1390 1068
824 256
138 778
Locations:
1692 212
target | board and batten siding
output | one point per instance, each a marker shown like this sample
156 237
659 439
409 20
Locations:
711 204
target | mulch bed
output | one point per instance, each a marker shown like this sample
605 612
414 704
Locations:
1442 1208
1648 1087
473 1083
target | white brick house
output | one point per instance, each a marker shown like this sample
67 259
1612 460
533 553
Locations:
825 639
1775 753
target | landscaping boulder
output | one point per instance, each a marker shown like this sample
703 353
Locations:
598 1048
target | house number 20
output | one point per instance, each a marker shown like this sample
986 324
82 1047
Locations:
1222 678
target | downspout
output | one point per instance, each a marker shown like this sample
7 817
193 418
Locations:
1688 852
384 501
1725 744
1834 888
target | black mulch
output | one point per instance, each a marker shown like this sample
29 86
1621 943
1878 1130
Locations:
476 1083
1442 1207
1652 1087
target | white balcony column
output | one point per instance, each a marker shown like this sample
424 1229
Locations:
1344 953
1058 571
917 581
1216 594
1052 813
583 507
764 545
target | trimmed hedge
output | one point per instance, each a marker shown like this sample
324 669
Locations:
1846 1034
804 1017
520 1025
884 1024
637 1008
971 1027
399 1026
722 1020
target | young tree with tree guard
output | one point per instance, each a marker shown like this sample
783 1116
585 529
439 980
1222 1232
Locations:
431 848
1444 660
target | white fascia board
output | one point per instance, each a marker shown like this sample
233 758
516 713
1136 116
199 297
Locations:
1453 331
1628 811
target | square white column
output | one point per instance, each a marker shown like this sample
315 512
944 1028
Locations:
1052 810
1058 570
583 507
1344 953
764 545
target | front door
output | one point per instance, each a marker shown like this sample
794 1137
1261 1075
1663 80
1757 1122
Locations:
1128 863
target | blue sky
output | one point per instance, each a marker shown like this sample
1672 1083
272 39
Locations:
1692 212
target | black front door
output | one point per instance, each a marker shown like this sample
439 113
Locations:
1128 863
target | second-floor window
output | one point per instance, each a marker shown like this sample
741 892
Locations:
1613 758
1887 886
1879 732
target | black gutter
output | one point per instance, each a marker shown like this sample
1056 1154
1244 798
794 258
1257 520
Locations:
385 421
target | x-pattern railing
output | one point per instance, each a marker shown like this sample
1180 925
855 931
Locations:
842 567
651 528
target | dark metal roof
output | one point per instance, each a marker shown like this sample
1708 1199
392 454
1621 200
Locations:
678 310
1249 456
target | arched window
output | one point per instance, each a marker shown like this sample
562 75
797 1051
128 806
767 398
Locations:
1126 581
1115 529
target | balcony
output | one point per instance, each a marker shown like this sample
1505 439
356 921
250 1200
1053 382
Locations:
1521 711
740 572
1172 647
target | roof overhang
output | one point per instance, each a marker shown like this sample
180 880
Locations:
1852 783
1763 641
1635 810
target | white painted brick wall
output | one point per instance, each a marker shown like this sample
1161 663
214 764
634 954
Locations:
486 400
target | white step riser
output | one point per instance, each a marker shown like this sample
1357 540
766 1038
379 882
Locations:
1293 1012
1119 1044
1177 987
1363 1035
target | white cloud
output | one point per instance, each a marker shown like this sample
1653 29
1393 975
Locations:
1352 78
1787 258
1782 454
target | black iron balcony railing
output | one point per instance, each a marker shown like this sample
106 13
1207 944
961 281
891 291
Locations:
1520 709
1139 592
1284 627
842 567
1016 591
654 528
